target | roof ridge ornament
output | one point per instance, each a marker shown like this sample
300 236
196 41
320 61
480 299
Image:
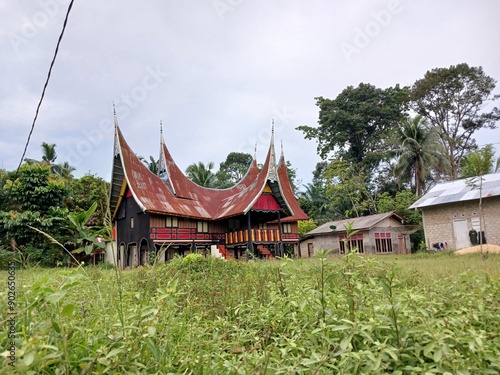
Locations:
162 164
116 147
273 172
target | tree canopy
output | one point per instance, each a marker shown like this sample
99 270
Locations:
233 169
353 126
480 162
454 100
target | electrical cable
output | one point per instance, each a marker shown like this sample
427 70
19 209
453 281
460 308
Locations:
44 87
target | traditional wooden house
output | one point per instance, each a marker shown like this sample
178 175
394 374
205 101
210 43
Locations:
168 214
386 233
452 215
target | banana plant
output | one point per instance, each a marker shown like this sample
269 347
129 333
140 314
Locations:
85 236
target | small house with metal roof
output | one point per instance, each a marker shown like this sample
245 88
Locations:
386 233
452 213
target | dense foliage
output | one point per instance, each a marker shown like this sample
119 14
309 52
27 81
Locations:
354 125
37 200
350 315
453 100
371 145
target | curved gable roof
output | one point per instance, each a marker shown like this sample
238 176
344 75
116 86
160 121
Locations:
175 194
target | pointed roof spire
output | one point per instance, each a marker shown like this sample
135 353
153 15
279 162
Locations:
117 147
163 172
273 176
255 152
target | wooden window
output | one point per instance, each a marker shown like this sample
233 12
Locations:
233 224
132 223
202 226
383 243
171 222
354 242
287 228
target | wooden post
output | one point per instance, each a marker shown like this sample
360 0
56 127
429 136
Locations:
249 228
280 243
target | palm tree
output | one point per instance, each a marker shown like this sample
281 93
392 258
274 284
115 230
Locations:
201 174
152 164
319 205
64 170
49 154
49 157
420 152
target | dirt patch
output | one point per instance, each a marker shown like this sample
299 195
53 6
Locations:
477 249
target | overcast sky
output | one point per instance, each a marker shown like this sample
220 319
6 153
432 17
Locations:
216 72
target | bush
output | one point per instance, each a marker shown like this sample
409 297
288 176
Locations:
6 256
50 257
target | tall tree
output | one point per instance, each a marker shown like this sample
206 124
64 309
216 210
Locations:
233 169
453 99
49 154
420 151
354 125
201 174
480 162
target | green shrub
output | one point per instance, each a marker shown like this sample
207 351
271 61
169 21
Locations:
355 314
6 256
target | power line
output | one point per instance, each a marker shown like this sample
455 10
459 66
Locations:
45 87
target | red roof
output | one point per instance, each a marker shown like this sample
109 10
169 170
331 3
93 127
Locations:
176 194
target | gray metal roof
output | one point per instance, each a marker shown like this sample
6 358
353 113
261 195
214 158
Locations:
460 190
363 222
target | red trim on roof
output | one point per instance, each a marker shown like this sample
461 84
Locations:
266 202
286 190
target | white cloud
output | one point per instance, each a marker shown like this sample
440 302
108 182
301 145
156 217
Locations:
227 76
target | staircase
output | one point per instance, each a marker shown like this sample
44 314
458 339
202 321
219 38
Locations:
265 251
224 251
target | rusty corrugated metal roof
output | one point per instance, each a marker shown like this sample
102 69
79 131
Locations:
286 188
175 194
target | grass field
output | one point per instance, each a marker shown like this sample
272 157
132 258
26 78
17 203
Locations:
431 313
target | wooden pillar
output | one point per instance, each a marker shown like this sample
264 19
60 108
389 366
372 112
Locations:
249 228
280 246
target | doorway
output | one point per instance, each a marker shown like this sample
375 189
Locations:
461 232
